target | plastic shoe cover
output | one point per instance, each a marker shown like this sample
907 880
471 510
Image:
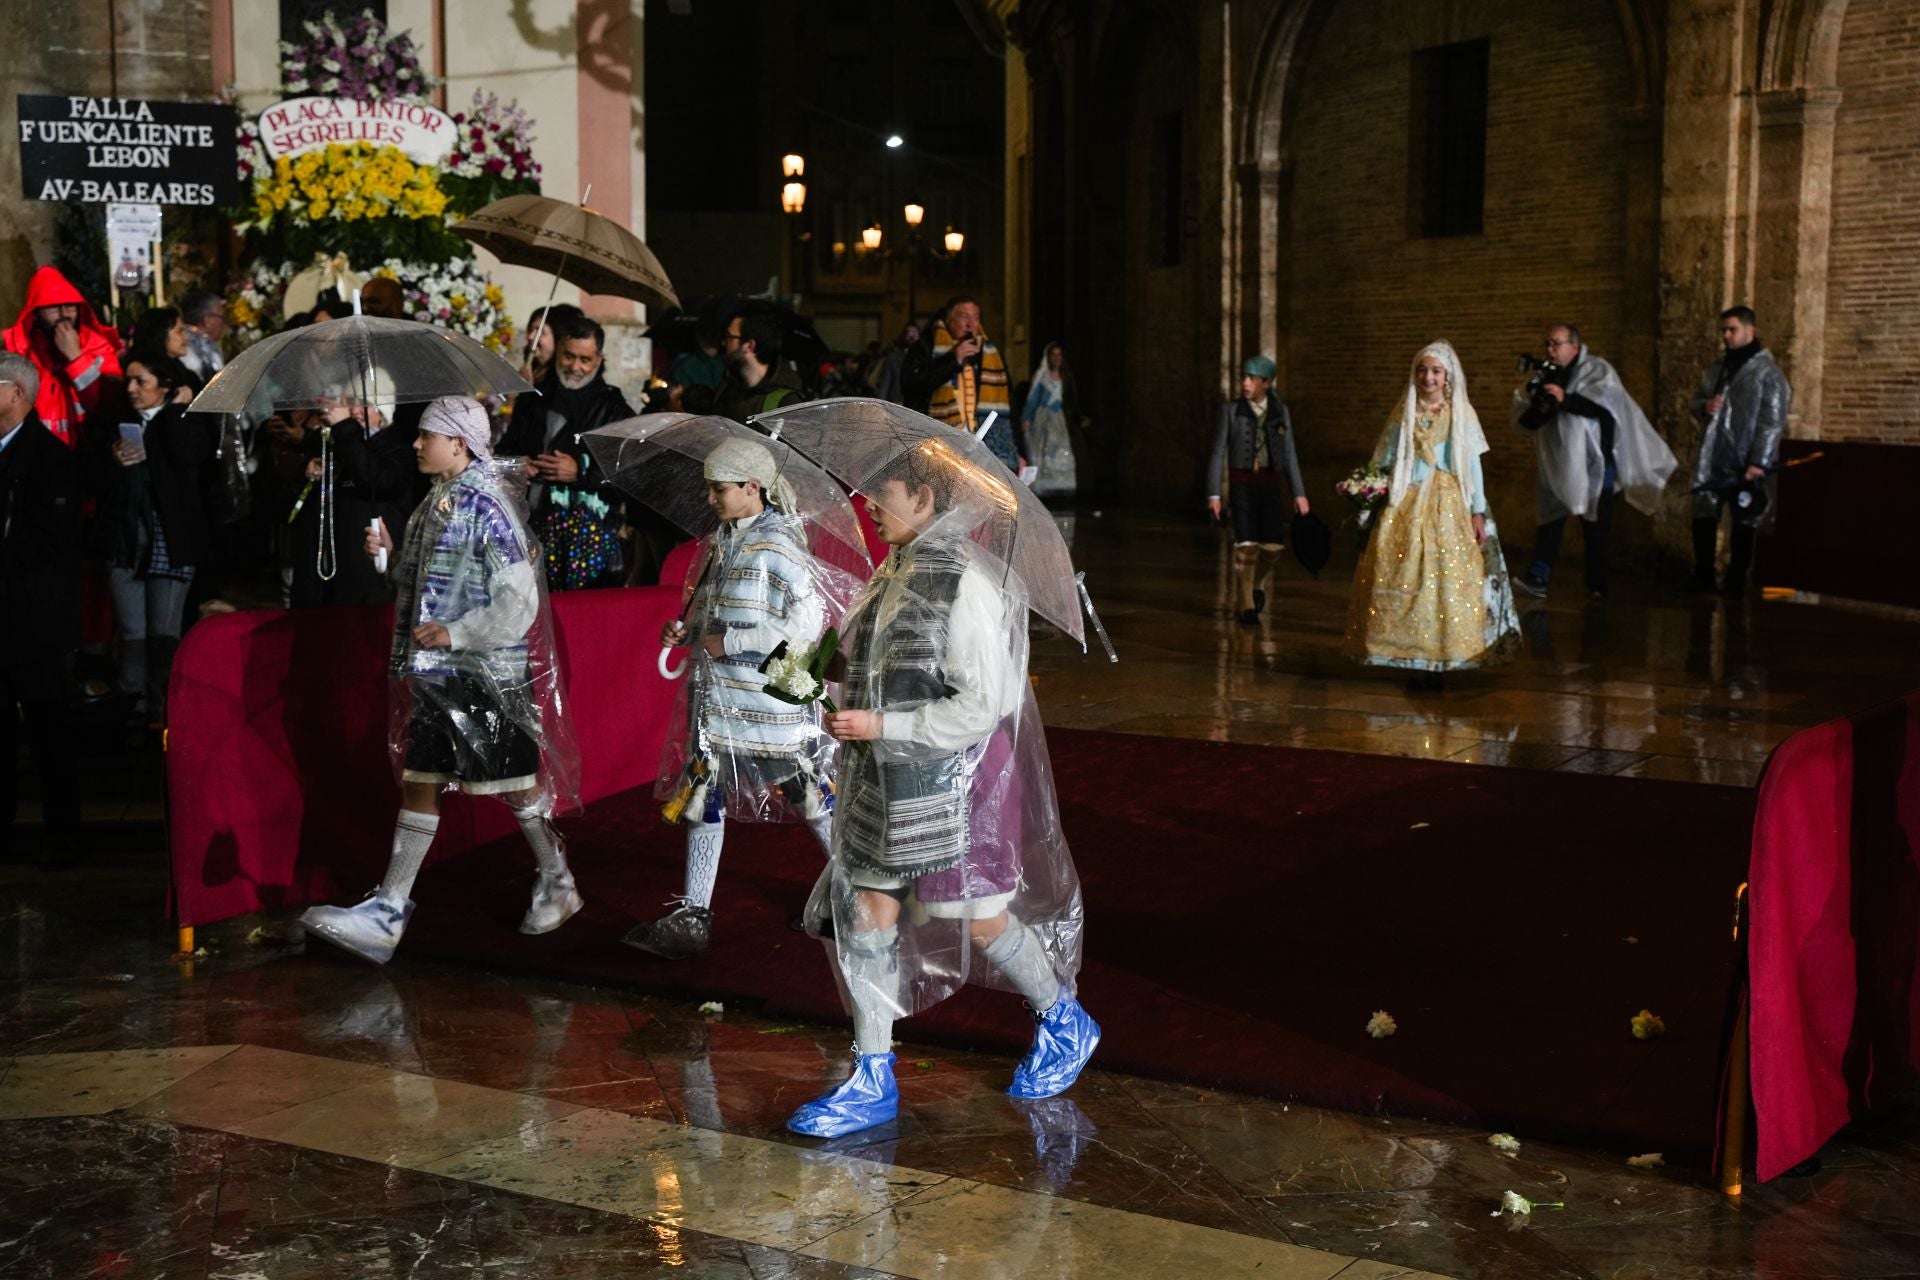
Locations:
1064 1038
371 930
681 934
554 902
866 1098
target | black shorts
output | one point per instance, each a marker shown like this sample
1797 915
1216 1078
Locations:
458 732
1260 512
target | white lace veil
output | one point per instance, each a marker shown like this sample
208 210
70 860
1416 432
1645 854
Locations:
1468 438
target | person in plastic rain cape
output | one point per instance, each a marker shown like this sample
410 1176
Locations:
478 701
948 860
738 751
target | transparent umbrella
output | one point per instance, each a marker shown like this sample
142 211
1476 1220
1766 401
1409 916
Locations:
660 458
359 358
859 441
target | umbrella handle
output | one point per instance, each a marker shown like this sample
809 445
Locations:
667 673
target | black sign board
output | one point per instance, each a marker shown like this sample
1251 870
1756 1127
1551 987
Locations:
128 150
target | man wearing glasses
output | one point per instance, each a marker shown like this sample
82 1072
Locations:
1594 443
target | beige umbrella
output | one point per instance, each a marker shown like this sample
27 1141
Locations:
574 243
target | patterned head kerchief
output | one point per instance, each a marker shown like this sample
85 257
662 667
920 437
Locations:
463 418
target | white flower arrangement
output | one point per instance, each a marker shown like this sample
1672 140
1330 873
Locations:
455 295
798 676
1365 487
253 306
495 140
1381 1024
1505 1143
789 674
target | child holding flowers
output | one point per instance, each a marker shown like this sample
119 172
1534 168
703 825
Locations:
742 749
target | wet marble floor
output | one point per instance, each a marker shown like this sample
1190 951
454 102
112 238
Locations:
269 1111
1652 682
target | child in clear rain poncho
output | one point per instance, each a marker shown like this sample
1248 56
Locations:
477 694
949 864
737 751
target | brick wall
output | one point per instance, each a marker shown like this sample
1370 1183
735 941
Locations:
1873 303
1365 295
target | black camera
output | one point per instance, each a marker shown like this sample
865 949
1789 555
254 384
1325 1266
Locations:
1542 370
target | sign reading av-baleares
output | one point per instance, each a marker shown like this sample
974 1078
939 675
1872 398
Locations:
127 150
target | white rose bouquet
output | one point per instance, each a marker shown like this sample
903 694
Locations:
799 676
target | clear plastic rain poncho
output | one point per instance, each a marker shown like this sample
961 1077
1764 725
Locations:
763 585
488 714
950 815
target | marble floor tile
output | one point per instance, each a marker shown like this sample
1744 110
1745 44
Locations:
406 1119
960 1228
1439 1229
250 1083
717 1183
81 1084
1362 1269
265 1184
79 1151
1305 1151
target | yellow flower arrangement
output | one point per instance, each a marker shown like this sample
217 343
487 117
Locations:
349 183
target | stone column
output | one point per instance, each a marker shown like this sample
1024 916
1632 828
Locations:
1707 175
1793 218
1262 299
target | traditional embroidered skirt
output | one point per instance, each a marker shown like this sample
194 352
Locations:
1426 597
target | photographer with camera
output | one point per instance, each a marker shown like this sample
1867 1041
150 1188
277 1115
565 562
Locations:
1742 404
1594 442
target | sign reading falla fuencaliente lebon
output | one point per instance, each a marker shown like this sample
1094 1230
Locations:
115 150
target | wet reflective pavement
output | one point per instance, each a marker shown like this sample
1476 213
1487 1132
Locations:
269 1111
1654 682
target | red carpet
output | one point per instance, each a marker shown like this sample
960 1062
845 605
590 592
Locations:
1248 909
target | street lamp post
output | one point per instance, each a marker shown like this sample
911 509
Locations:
914 214
793 202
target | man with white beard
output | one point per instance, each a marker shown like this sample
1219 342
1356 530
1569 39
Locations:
576 514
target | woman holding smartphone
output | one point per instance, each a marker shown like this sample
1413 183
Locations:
151 523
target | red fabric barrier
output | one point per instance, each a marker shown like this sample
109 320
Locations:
1834 945
280 791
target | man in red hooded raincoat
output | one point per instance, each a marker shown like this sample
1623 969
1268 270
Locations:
78 357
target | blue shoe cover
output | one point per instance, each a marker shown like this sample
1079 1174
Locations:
1063 1039
866 1098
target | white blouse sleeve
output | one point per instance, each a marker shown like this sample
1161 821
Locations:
507 618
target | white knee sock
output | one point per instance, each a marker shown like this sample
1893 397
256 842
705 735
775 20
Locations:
1021 957
870 961
412 837
548 848
822 828
703 860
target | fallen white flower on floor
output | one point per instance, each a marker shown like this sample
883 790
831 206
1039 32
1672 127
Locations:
1504 1142
1651 1160
713 1006
1381 1024
1419 826
1519 1206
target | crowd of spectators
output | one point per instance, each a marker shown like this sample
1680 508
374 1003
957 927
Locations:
125 517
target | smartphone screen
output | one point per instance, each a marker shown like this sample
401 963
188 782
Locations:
133 435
